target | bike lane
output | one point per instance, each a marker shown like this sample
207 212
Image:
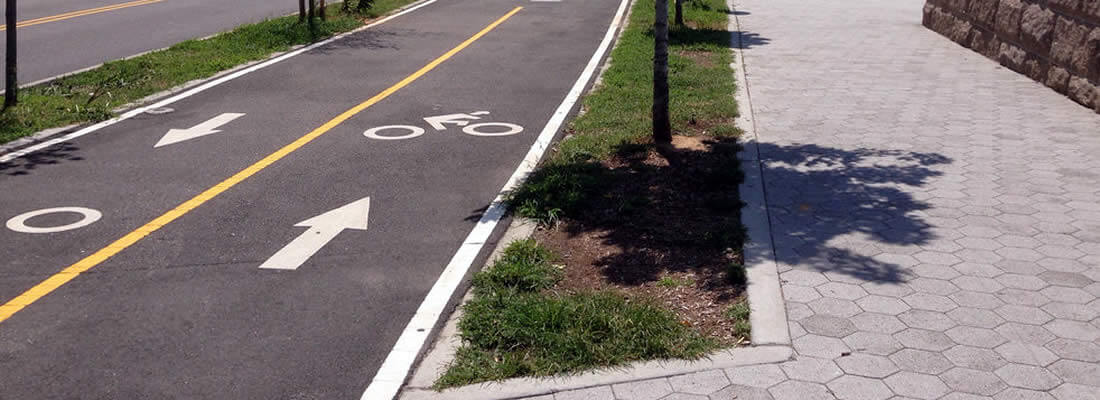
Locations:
187 312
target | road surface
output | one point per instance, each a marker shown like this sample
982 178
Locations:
61 36
265 238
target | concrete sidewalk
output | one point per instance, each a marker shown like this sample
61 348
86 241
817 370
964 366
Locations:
936 216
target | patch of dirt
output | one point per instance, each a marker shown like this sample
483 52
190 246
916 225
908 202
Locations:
666 227
700 57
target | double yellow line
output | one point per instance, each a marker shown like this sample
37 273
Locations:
81 13
57 280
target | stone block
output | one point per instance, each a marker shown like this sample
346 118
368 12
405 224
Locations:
1008 17
1091 9
983 11
1037 28
1092 47
1057 79
1082 91
959 6
1012 57
985 42
1068 46
1065 6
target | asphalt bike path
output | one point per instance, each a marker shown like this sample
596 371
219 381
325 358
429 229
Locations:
187 311
61 36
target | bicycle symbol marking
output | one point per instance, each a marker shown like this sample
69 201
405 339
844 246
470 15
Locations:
439 123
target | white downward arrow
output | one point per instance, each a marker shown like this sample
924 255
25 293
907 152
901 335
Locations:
322 229
203 129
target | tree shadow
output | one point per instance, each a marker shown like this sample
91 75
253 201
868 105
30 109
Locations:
834 210
687 36
55 154
365 39
651 212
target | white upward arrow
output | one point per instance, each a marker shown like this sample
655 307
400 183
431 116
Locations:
203 129
322 229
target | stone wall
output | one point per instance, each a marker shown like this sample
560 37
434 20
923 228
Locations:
1056 42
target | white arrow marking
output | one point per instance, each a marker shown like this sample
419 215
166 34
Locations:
203 129
322 229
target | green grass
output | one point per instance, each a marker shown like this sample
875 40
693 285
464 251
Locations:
739 314
90 96
513 327
701 86
617 114
670 282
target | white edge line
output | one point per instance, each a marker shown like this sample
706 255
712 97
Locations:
391 375
196 90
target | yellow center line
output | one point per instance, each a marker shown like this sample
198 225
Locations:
80 13
57 280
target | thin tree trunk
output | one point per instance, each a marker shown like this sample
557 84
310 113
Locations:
679 12
309 16
11 80
321 11
301 10
662 129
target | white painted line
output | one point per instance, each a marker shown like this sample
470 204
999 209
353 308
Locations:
88 216
387 381
322 229
208 127
201 88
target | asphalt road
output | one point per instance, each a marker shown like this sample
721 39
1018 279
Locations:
51 48
186 312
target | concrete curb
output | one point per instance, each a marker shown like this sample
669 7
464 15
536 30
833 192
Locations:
770 333
768 308
43 135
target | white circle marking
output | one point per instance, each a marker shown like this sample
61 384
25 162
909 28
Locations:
414 131
472 129
18 223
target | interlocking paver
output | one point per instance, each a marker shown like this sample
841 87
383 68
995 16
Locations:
798 390
867 365
1075 350
827 325
812 369
951 249
1028 377
859 388
975 358
645 390
761 376
706 382
973 381
1022 353
921 361
916 385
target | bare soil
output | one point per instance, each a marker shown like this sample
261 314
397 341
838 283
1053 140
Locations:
667 228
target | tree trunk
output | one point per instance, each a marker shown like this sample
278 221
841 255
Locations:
309 16
364 5
321 11
11 80
679 12
662 129
301 10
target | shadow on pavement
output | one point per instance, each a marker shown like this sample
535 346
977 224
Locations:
820 198
49 156
649 214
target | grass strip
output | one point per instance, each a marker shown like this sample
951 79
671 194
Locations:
700 80
514 327
91 96
617 115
